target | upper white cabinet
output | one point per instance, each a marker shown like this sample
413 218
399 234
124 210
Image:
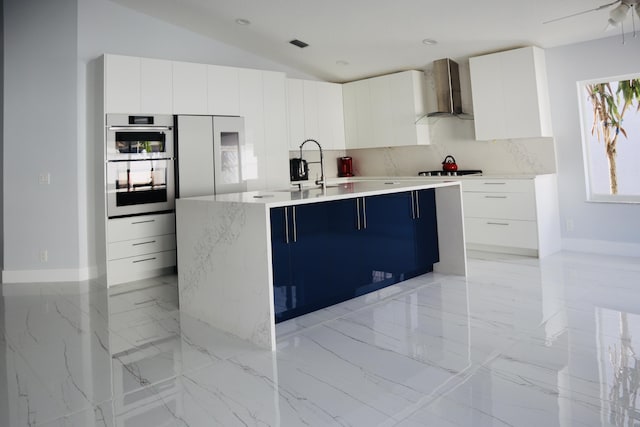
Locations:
223 94
190 88
137 85
382 111
315 110
121 84
510 95
156 86
276 159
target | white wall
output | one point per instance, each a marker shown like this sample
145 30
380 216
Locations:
40 135
597 227
49 82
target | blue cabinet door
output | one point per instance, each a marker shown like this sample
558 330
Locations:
426 229
284 290
328 252
389 236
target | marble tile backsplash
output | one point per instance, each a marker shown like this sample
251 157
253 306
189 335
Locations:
455 137
449 136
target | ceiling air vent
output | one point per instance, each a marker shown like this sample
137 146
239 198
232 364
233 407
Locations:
298 43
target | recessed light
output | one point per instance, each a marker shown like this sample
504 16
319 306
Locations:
429 42
242 21
342 62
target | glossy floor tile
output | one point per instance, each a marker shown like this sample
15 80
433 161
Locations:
519 342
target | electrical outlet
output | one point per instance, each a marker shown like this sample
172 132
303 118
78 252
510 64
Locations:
44 255
44 178
569 224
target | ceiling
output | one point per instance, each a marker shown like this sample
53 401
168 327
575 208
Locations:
353 39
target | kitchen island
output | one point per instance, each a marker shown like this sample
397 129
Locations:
247 260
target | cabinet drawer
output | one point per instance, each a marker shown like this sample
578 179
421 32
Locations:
500 205
137 227
146 245
121 270
498 185
518 234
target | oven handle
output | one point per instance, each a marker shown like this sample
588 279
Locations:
139 128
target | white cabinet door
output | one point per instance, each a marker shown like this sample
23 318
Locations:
315 110
331 115
156 86
223 91
350 108
189 88
122 84
310 96
381 120
276 158
488 98
382 111
295 113
252 109
364 115
195 156
407 105
510 95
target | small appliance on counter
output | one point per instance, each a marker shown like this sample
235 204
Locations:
298 169
449 164
345 166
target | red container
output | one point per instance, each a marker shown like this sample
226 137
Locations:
449 164
345 166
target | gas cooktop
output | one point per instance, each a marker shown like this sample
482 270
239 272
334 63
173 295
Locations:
451 173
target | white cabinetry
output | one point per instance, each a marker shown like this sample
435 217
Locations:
510 95
315 110
156 86
121 84
140 247
382 111
276 159
137 85
189 88
512 215
223 91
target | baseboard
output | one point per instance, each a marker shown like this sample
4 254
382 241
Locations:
57 275
604 247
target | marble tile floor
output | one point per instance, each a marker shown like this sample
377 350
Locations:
519 342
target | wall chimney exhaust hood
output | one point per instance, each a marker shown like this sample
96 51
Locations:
447 86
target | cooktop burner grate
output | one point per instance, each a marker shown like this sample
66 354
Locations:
451 173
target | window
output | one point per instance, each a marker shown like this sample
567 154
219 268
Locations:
610 114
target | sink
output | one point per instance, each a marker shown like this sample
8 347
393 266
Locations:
297 190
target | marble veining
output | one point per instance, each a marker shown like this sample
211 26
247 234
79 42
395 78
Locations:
518 342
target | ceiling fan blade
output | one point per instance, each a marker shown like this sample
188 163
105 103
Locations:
604 6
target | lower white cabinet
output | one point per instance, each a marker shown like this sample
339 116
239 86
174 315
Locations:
517 216
139 247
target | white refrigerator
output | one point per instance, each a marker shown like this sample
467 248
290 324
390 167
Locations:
212 156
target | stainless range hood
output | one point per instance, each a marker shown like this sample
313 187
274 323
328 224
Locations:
447 85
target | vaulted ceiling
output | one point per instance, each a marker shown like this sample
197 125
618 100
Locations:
352 39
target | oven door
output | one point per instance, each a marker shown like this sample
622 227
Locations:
152 139
139 187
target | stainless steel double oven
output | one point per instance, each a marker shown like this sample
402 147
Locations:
140 164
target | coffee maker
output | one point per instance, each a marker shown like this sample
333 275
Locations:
345 166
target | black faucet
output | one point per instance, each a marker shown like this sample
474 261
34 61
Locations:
321 181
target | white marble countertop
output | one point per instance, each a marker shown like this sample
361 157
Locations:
336 190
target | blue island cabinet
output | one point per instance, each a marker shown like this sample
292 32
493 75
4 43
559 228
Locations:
327 252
